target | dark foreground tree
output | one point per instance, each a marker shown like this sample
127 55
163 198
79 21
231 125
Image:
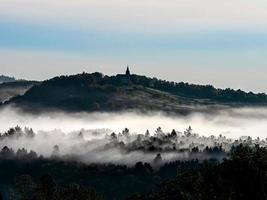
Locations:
47 189
242 176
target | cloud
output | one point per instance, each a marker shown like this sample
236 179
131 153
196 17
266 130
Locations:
150 16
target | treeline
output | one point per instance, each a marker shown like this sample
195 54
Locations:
91 92
241 176
25 188
181 89
126 142
187 144
201 91
22 174
4 79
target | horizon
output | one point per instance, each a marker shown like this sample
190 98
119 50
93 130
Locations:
133 100
149 76
203 42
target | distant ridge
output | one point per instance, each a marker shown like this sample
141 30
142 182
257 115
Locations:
97 92
5 79
14 88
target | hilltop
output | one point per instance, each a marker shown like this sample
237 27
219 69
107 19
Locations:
12 89
4 79
98 92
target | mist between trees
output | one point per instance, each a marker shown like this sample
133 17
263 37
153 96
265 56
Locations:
98 148
104 146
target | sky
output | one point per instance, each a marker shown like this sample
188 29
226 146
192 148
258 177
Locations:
223 43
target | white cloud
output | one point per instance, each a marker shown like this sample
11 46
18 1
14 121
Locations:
141 15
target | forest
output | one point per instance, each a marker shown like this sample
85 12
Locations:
102 164
213 168
98 92
133 100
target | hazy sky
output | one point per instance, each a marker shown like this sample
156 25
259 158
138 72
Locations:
201 41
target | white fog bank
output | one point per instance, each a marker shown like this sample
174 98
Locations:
232 123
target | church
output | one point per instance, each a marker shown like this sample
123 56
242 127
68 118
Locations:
125 78
128 71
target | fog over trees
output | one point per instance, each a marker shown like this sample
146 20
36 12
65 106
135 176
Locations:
129 148
93 165
99 146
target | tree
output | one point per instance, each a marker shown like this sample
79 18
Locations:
188 131
113 136
22 153
158 159
29 132
47 187
173 133
126 132
7 153
56 151
147 134
32 155
24 186
159 132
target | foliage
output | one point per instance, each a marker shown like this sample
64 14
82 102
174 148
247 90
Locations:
94 92
241 176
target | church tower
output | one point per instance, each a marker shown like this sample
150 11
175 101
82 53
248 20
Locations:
127 71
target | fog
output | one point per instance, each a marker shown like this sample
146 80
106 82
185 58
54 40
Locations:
87 146
232 123
102 137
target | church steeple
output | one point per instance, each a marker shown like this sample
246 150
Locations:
128 71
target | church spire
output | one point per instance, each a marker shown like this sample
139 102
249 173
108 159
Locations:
128 71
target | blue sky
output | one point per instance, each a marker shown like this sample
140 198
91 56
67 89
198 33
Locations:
206 41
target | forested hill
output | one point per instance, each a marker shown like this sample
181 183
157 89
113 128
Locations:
92 92
11 89
4 79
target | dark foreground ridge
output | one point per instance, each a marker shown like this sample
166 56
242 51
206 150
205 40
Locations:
214 173
243 175
97 92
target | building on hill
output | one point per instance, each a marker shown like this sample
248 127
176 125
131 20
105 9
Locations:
125 78
128 71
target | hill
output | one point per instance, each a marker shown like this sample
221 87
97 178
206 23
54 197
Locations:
12 89
96 92
4 79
